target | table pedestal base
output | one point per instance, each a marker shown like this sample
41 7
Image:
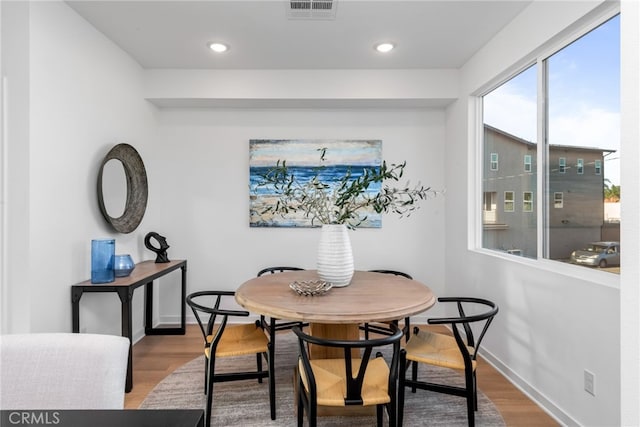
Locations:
350 331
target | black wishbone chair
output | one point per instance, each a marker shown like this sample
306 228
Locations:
349 381
272 325
446 351
383 328
225 340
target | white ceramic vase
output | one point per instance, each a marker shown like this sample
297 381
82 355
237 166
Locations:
335 257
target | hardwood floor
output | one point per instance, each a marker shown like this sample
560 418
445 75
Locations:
155 357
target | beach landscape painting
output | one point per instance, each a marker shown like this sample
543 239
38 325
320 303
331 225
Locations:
303 158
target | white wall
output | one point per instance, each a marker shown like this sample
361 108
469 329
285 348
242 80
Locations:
85 98
202 161
552 324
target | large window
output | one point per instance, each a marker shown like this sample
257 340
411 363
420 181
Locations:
574 144
514 139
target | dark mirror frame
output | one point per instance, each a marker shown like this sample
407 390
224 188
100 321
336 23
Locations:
137 188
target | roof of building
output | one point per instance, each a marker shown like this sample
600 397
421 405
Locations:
555 146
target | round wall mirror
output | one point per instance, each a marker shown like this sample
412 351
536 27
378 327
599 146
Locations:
114 188
122 188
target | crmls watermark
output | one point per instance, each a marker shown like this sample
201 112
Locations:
34 418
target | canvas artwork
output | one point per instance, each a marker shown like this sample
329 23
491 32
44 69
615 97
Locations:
303 159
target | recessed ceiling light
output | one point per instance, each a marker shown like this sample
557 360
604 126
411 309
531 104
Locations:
384 47
218 47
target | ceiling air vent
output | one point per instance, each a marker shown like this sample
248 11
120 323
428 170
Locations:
311 9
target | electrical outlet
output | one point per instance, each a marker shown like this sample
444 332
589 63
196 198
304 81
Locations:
590 382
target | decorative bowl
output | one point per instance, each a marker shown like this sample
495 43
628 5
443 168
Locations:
310 288
123 265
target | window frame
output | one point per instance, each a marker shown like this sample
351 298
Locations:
492 162
526 202
527 162
597 167
556 199
512 201
538 57
562 165
580 166
492 196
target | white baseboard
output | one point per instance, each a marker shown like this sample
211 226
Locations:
138 335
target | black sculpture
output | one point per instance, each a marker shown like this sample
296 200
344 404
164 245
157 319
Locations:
161 252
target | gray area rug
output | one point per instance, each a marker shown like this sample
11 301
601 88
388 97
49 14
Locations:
246 403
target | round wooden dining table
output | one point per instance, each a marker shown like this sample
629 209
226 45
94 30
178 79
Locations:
370 297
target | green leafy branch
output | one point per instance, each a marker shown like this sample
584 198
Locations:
345 203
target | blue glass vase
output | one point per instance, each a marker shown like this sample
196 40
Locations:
102 254
123 265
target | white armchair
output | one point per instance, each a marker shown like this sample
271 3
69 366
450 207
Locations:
62 371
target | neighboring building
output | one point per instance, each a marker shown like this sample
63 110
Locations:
611 226
575 203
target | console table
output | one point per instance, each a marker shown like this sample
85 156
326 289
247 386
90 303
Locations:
144 274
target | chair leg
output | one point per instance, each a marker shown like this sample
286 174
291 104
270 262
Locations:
259 357
206 370
271 359
300 408
471 398
414 374
366 331
407 326
401 385
475 391
313 414
392 411
209 393
470 411
272 380
311 405
379 413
